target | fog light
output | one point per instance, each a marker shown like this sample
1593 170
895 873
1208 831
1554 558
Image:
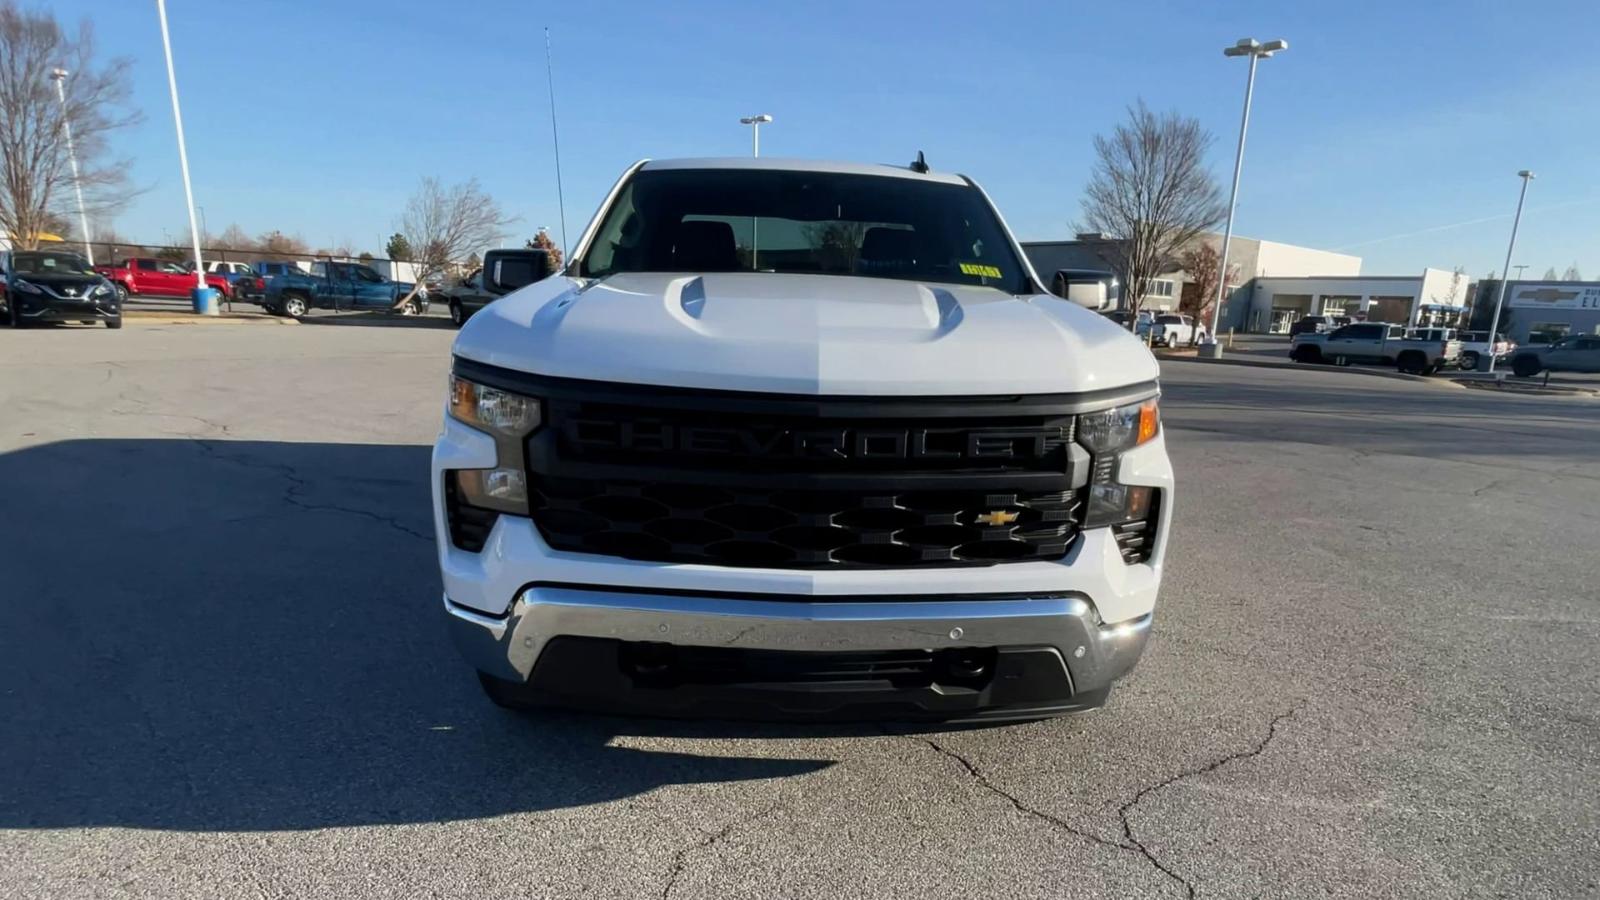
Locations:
1113 504
502 489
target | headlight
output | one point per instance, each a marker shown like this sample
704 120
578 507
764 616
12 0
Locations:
491 409
509 418
104 290
1121 428
1106 434
27 287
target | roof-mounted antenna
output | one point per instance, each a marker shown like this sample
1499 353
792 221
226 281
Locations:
919 165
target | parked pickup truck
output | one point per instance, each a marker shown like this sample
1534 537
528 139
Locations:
1376 342
142 276
251 287
1475 345
1174 330
474 292
889 478
336 285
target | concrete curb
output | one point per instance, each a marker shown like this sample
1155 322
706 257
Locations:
1525 387
378 320
154 317
1307 367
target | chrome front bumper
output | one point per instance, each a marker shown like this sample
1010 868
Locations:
508 647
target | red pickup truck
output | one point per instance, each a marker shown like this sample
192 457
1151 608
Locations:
145 276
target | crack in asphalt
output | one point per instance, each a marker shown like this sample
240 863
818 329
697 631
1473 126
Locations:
1131 842
1249 753
1015 801
1498 482
293 494
707 839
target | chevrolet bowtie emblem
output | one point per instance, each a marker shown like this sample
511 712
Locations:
998 517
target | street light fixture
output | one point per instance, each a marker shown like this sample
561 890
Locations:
755 123
59 76
1256 51
1500 294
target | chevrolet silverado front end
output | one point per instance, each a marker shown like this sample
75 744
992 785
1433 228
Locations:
799 440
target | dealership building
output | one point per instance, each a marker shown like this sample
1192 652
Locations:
1435 297
1273 285
1539 312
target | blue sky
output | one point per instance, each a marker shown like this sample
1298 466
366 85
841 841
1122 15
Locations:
1384 122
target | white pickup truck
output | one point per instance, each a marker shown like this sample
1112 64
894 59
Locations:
1377 342
1176 330
792 439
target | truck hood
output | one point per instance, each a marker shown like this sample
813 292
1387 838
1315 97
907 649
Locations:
804 334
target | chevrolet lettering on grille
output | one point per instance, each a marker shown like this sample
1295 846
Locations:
813 443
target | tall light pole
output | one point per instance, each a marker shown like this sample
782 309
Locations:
755 123
205 230
59 76
1256 51
1519 271
203 301
1505 270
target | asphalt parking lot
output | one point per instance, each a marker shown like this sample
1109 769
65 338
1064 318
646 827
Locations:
223 673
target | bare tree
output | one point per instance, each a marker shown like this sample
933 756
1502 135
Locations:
277 244
442 225
36 193
1152 193
1572 273
1203 264
1550 274
234 238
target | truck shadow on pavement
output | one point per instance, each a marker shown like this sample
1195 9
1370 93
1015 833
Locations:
237 636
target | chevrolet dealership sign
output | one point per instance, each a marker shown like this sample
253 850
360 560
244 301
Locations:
1555 295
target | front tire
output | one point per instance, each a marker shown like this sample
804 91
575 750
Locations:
1526 366
114 323
1306 353
122 292
458 316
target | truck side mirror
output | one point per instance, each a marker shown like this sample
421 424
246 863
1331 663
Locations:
507 270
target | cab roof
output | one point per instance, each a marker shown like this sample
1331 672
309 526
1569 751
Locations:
772 164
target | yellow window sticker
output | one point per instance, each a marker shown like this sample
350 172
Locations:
980 270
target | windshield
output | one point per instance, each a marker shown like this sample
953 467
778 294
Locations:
48 263
722 220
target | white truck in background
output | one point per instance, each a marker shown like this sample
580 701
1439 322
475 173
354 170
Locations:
1378 342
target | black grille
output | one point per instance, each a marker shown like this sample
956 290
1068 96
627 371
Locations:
469 525
799 528
1136 540
667 665
671 474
